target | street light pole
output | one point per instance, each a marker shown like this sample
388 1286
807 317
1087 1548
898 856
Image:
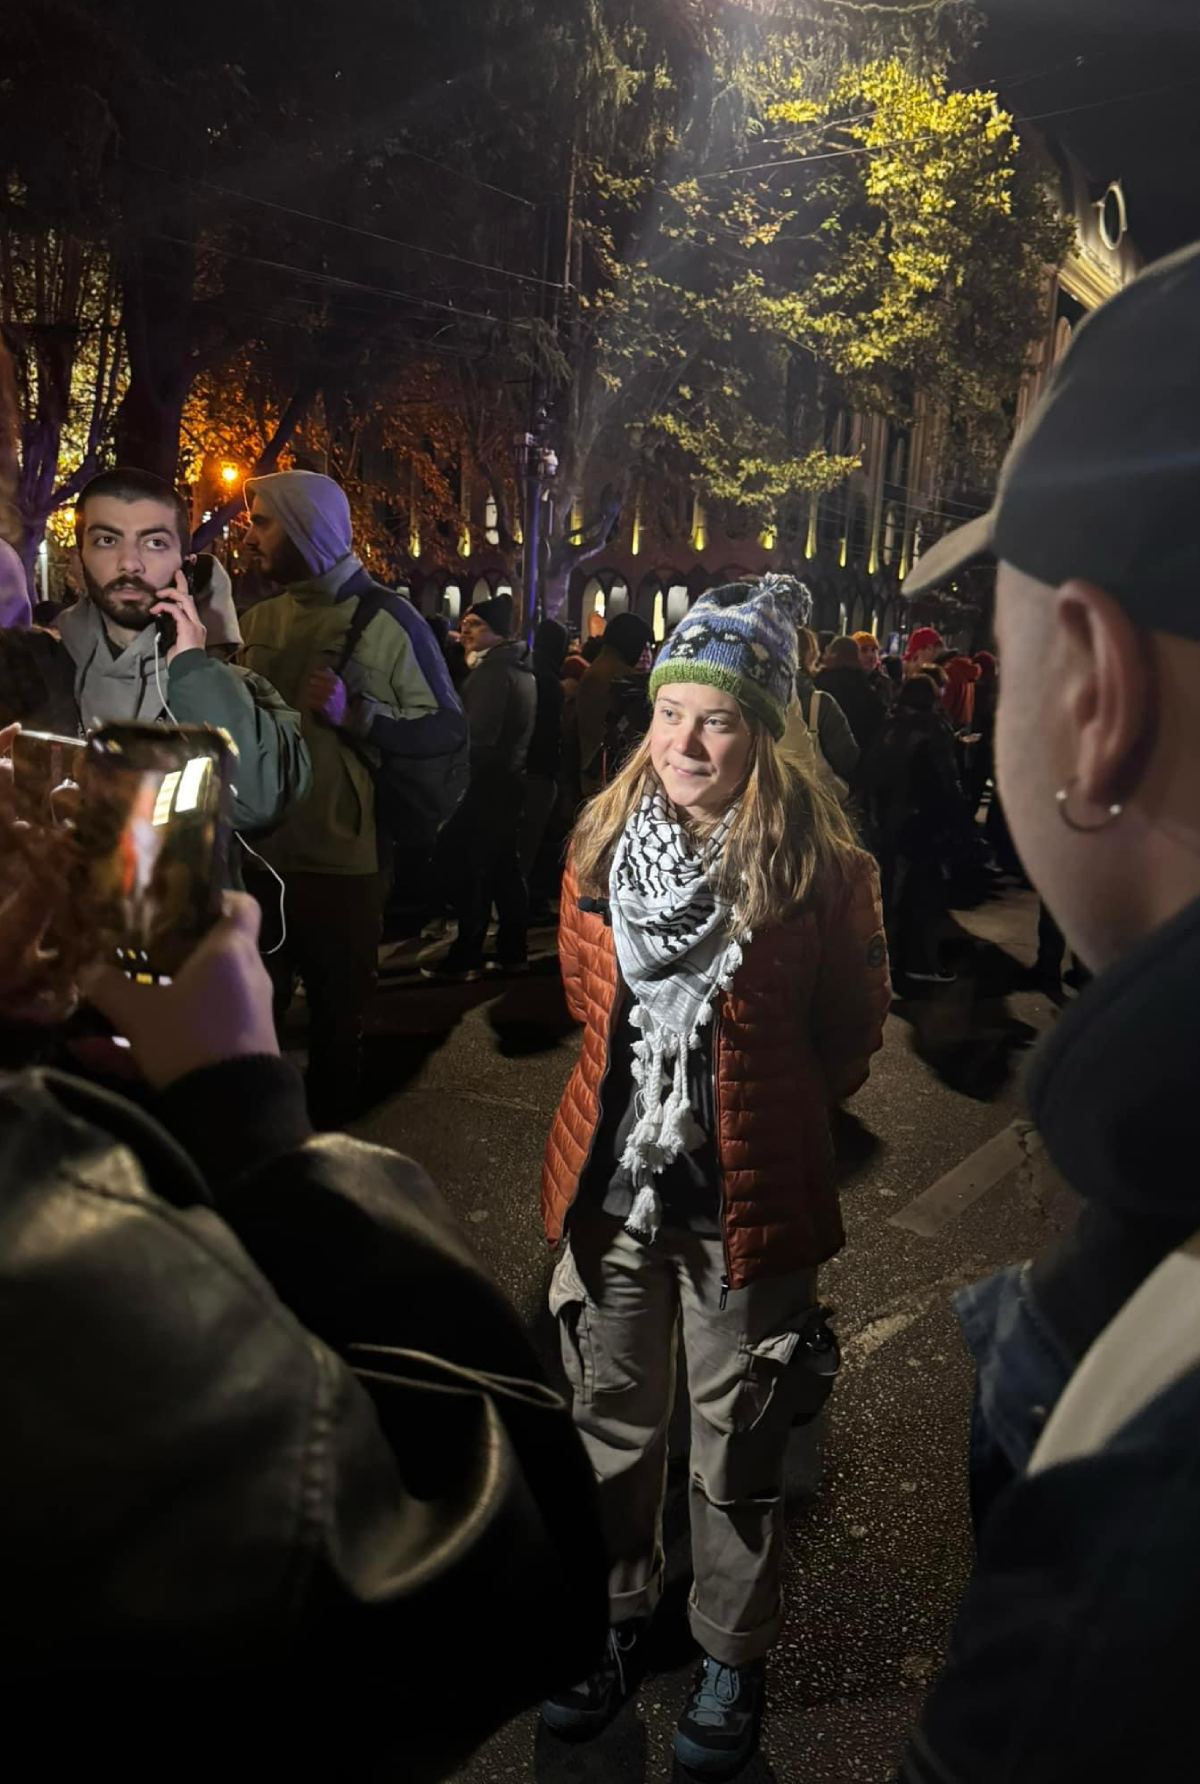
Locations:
538 463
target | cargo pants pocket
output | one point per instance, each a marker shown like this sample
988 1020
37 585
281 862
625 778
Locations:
569 1307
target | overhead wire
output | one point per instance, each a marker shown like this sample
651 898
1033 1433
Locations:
353 229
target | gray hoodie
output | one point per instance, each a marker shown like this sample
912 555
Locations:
273 769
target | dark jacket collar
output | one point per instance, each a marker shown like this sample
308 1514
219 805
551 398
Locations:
1114 1087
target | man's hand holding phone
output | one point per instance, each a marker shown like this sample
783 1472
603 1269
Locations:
178 604
218 1008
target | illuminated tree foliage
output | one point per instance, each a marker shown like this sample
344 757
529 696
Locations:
805 216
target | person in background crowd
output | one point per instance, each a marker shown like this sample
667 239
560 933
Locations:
543 768
391 698
451 648
721 941
983 723
893 668
133 537
871 660
834 737
844 680
15 609
824 640
922 649
226 1483
1073 1655
481 842
47 614
626 640
917 810
592 646
574 668
958 701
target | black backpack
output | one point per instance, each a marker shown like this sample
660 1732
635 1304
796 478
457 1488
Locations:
625 724
413 794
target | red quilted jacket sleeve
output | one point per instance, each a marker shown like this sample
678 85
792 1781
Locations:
853 991
568 946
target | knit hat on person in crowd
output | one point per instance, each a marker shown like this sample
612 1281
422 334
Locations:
629 635
496 613
988 668
959 697
741 638
550 645
865 639
924 638
313 511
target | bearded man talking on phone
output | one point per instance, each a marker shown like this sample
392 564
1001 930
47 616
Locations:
133 536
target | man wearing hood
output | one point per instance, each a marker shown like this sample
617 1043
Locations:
133 535
14 596
482 843
371 685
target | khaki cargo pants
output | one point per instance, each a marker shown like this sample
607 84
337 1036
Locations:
621 1306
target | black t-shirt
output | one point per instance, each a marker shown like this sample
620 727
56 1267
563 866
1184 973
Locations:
690 1186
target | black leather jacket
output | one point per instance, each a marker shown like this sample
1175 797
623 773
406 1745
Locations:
267 1420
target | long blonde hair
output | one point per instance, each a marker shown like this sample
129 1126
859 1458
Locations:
790 843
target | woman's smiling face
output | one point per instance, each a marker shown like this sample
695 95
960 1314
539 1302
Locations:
700 746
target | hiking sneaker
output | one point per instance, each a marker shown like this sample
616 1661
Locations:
587 1709
718 1732
448 972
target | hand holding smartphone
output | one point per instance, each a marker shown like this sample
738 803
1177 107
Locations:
153 833
176 619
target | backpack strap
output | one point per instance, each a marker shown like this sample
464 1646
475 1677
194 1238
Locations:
369 604
813 722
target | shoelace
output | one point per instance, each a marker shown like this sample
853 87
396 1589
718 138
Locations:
717 1688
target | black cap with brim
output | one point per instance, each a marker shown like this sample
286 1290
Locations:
951 554
1104 479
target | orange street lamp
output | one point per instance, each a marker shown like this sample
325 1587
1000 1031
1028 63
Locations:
229 475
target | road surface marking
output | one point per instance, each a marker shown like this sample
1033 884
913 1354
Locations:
936 1206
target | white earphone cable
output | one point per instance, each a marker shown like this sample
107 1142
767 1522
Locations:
266 952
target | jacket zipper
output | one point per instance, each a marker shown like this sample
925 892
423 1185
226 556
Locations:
717 1138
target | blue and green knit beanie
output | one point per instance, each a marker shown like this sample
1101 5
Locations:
741 638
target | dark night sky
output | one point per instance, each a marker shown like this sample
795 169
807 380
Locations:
1151 143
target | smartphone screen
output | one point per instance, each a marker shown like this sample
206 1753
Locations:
154 835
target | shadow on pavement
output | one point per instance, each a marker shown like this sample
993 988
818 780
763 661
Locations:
855 1146
965 1032
532 1016
618 1756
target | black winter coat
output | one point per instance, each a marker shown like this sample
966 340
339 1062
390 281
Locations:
272 1435
864 710
911 781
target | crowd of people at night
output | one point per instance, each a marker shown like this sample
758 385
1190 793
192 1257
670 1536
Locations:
274 1424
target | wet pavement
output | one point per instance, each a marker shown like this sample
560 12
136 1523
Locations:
467 1080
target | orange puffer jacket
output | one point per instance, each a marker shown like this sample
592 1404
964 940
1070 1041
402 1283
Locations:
794 1034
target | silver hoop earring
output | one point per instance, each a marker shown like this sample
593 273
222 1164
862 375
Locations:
1061 799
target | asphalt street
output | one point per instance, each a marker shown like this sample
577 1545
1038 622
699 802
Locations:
466 1081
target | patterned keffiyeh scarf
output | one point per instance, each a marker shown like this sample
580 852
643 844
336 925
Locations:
676 953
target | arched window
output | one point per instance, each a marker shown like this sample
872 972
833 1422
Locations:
491 521
677 603
618 599
658 624
452 602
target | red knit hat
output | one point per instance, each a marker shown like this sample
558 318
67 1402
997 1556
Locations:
924 638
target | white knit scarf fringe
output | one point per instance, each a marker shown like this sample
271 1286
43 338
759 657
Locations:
677 955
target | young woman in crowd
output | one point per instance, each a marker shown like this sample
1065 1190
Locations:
721 941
